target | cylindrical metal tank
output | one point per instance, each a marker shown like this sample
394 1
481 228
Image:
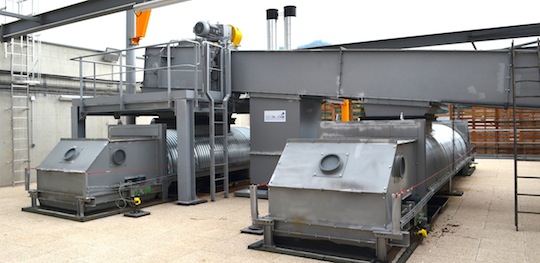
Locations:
238 144
445 148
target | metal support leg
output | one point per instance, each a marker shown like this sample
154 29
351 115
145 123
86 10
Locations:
33 198
26 179
268 238
80 207
254 203
185 128
396 214
382 249
255 227
450 190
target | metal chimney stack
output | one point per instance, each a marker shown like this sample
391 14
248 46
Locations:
271 20
290 11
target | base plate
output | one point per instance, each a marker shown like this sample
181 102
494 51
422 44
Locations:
252 230
136 214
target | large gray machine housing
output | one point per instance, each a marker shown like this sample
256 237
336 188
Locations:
84 179
362 188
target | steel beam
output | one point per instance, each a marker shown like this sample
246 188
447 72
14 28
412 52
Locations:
529 30
63 16
463 77
4 13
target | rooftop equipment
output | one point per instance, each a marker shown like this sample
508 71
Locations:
84 179
362 189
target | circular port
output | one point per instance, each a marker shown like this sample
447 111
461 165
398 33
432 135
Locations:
330 163
399 164
119 156
70 154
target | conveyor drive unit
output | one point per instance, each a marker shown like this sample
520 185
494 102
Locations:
361 188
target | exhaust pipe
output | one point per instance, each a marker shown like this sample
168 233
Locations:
271 21
290 11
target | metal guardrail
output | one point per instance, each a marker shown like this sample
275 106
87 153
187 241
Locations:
119 71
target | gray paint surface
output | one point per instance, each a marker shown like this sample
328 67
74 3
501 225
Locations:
269 138
479 78
364 166
85 153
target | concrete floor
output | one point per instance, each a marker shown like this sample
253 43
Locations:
476 227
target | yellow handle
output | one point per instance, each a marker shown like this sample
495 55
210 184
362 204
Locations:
422 233
137 200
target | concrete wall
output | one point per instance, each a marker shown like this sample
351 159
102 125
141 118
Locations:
56 59
51 116
51 122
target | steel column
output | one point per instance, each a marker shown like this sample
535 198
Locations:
131 76
78 123
185 128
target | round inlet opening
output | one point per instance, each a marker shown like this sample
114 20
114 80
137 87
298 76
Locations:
399 164
330 163
70 154
119 157
402 166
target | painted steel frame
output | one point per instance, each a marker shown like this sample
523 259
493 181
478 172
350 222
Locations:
422 78
462 77
468 36
63 16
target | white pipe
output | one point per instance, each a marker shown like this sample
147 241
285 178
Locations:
290 11
287 32
271 37
271 18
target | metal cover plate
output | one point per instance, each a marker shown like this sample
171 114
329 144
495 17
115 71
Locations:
333 165
73 155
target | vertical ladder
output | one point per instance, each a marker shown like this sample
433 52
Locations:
217 105
21 52
528 88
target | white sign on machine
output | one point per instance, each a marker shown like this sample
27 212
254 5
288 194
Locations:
275 116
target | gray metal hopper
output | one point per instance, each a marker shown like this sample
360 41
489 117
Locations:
360 190
82 177
91 171
338 190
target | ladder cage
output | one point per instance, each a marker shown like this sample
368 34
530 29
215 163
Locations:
23 54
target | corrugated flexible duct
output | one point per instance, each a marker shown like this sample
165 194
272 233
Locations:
238 145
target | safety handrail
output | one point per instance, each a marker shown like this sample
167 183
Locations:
119 70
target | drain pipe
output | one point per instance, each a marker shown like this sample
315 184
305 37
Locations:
271 21
290 11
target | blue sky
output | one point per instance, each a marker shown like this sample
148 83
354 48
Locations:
336 21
